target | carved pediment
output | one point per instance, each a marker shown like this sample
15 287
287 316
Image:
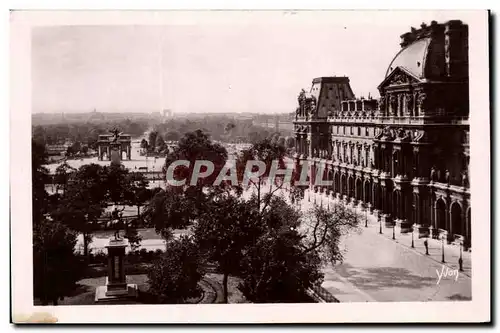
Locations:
399 76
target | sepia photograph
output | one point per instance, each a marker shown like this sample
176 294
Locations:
201 166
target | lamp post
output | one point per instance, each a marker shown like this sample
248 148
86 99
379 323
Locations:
442 247
366 216
355 215
394 230
412 232
460 260
379 222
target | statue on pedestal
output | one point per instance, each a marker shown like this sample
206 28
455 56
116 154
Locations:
433 174
465 180
116 288
116 135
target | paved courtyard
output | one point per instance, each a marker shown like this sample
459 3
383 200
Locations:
378 268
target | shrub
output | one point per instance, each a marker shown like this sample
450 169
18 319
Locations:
175 275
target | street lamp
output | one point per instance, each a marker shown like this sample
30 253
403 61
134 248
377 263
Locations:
366 216
394 230
460 260
379 222
443 236
412 236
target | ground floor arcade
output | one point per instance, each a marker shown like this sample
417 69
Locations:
444 209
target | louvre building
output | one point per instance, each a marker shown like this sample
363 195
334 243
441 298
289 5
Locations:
404 156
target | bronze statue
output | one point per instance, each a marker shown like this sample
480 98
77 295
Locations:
447 176
381 103
465 181
409 103
422 101
117 220
393 105
433 174
116 134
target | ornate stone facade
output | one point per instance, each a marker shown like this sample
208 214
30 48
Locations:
405 155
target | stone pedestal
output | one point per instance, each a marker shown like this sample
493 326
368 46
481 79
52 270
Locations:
116 288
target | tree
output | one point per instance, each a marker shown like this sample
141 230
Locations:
160 143
266 152
290 142
152 139
171 209
63 174
85 149
70 151
175 276
196 146
39 135
116 183
39 177
257 136
144 144
229 127
274 137
276 268
137 192
172 136
83 202
76 147
224 229
55 266
281 141
322 228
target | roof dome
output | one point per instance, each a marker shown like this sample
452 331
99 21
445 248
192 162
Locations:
412 58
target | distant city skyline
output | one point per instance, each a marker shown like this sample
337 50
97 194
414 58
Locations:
253 66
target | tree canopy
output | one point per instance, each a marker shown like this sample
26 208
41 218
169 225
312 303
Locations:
55 266
174 277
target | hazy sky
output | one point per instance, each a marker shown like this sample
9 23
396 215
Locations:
250 66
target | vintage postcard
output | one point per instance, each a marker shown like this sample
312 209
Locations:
250 166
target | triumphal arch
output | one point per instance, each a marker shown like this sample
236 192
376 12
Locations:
116 142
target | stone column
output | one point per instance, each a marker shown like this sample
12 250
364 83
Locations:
99 149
